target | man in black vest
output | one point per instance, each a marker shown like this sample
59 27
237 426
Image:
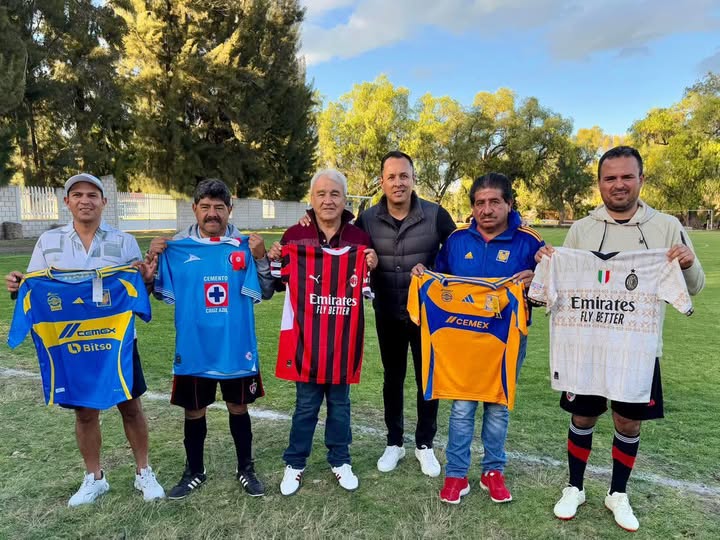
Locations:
405 230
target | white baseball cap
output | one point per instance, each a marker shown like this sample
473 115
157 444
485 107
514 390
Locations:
84 177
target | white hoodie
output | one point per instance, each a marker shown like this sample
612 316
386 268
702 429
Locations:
647 229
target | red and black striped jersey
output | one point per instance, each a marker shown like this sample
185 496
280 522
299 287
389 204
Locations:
323 322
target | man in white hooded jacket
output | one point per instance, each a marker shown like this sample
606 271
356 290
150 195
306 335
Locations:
623 223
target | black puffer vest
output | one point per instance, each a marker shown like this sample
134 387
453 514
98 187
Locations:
399 249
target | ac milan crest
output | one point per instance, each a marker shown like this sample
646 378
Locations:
631 281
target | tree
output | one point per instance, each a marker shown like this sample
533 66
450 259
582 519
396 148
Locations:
67 117
442 143
566 179
517 140
362 126
216 90
681 149
13 62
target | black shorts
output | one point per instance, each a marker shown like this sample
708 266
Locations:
193 393
597 405
138 383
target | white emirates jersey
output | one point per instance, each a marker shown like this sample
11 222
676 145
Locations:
606 317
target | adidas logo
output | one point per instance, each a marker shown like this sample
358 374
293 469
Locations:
469 255
78 300
468 299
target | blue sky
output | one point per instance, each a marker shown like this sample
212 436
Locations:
601 62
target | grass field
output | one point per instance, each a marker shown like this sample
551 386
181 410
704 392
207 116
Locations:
41 466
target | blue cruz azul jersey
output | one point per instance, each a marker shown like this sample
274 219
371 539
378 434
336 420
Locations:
213 283
83 327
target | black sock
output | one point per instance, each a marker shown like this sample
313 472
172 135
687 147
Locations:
579 446
241 431
195 431
624 450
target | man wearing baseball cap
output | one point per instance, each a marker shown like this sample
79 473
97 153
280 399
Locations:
84 177
86 243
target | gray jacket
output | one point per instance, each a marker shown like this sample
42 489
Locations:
416 240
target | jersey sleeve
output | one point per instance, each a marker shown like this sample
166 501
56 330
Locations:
164 289
522 309
287 258
21 321
141 305
537 292
672 287
366 289
251 284
413 303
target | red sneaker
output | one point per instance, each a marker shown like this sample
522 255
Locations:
494 482
453 489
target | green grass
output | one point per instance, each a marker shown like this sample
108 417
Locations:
42 467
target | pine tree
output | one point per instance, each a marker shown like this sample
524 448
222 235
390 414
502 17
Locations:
69 116
216 91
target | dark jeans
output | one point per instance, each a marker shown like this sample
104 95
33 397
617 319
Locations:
394 336
309 398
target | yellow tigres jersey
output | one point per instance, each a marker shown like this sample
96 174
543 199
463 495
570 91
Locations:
470 333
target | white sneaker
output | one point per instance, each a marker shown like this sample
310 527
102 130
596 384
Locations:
291 480
148 484
428 462
90 489
619 504
567 506
345 477
389 460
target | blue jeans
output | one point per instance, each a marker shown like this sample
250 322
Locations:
494 432
309 398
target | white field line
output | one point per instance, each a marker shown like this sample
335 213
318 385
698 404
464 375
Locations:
267 414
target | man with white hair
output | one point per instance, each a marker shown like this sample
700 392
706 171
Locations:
330 227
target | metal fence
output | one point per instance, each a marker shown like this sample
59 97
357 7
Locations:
38 203
146 211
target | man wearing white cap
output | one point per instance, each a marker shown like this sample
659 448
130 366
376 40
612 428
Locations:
88 242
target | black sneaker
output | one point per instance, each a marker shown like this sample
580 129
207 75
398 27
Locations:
250 482
187 484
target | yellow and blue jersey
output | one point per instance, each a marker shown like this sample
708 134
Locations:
83 327
470 334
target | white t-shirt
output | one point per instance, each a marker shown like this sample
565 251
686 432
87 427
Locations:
606 318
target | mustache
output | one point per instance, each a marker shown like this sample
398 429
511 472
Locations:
208 220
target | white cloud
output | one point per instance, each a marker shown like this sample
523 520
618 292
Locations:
711 63
612 25
315 8
573 29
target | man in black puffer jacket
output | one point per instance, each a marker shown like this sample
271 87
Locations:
405 230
